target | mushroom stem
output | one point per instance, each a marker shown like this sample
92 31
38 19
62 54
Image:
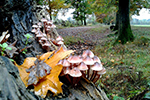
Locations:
76 80
88 71
93 75
96 78
83 74
68 78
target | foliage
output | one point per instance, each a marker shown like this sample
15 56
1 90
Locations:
54 6
81 10
27 41
4 46
50 82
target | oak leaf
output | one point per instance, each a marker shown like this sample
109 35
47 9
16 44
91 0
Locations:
50 82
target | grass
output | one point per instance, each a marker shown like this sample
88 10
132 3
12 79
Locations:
128 66
68 40
141 25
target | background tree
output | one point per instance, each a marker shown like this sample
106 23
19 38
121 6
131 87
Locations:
54 6
81 10
122 14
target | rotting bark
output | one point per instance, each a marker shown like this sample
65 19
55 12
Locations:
124 29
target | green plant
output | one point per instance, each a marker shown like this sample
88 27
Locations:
27 36
4 46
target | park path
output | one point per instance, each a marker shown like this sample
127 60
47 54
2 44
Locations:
90 34
85 32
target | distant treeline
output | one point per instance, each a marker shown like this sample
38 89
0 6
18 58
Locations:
142 21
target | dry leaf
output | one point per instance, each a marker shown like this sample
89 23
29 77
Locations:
50 82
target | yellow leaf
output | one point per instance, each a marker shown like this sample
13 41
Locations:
28 62
50 82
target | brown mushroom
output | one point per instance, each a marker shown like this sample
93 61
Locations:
87 53
95 68
99 73
83 68
76 74
88 61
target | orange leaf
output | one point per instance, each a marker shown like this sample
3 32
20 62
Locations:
28 62
50 82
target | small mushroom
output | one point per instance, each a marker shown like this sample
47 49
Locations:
87 53
75 60
76 74
33 30
88 61
99 73
95 68
59 38
83 68
96 59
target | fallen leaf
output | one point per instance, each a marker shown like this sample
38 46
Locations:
50 82
28 62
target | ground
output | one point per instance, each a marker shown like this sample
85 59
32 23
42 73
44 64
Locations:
127 65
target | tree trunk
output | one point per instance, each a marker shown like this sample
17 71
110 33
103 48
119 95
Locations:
84 20
124 29
117 21
50 13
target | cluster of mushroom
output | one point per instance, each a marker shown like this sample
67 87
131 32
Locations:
43 35
86 65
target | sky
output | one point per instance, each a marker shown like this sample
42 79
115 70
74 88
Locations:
67 14
144 14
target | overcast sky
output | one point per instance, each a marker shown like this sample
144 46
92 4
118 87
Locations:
144 14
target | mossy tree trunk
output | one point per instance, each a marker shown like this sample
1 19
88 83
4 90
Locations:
117 21
124 28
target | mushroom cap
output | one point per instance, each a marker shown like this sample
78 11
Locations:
46 44
59 38
88 61
39 24
50 22
69 58
53 26
60 42
67 70
39 35
65 63
82 66
75 59
103 71
43 20
34 30
35 26
43 39
60 62
96 59
75 72
97 67
87 53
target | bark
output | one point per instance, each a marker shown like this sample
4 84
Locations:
124 29
50 13
117 21
85 21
